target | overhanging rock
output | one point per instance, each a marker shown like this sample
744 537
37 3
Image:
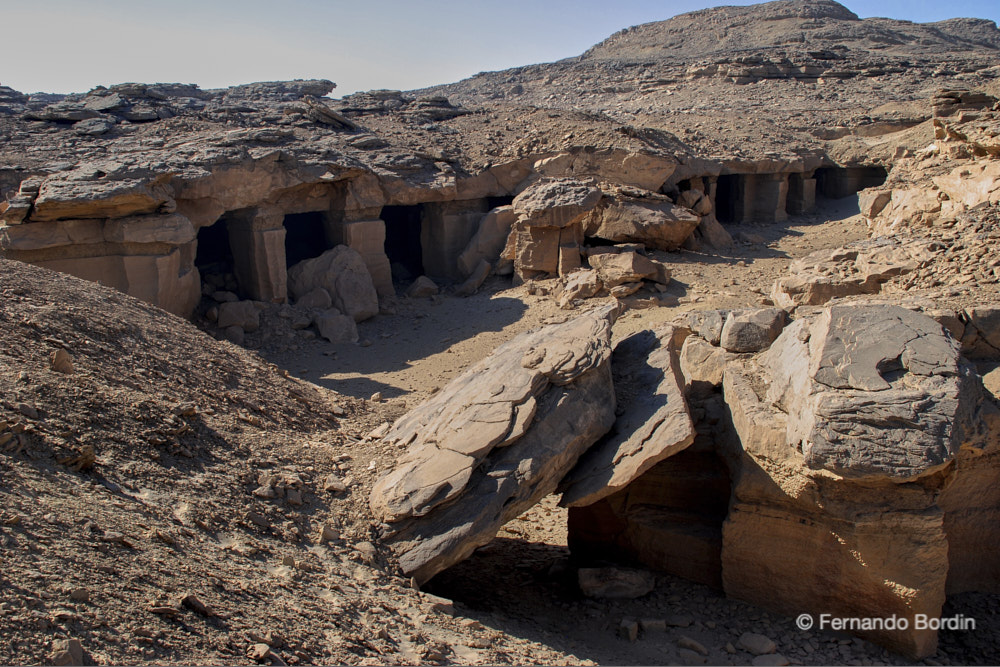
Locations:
495 441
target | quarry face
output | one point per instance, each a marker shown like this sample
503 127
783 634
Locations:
644 356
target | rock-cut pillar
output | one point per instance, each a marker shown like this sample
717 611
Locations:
258 245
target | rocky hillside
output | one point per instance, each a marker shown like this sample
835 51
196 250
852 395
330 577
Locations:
167 498
822 28
714 77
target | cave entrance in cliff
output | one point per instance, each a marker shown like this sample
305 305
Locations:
840 182
728 198
305 236
402 241
670 519
504 200
214 257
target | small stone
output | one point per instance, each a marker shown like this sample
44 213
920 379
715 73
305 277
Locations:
689 657
376 397
80 595
333 484
422 287
163 610
259 652
293 496
288 561
68 652
113 537
29 411
756 644
439 604
730 649
772 660
265 492
258 520
692 645
329 533
628 629
653 625
61 362
193 603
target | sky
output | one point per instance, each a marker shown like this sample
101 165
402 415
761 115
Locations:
64 46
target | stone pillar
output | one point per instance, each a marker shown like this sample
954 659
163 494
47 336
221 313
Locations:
445 229
746 192
367 237
801 193
711 189
258 245
767 203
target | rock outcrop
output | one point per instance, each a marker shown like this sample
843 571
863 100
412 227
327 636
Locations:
860 448
495 441
653 421
652 220
850 425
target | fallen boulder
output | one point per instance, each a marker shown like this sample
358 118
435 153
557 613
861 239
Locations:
652 220
342 272
495 441
752 330
336 327
616 268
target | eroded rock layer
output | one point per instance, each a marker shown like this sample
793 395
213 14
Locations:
495 441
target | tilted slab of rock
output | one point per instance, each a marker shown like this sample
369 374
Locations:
869 391
653 220
495 441
654 425
489 240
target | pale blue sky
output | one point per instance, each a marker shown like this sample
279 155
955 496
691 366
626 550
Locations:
74 45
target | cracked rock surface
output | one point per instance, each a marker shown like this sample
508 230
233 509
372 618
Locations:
495 441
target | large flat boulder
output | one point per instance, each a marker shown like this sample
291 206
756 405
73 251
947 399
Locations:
618 268
495 441
847 429
342 272
654 422
652 220
869 390
555 202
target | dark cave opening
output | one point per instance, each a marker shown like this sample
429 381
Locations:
402 241
214 257
840 182
305 236
494 202
727 198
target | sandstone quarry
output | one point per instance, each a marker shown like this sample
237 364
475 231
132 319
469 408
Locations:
715 301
